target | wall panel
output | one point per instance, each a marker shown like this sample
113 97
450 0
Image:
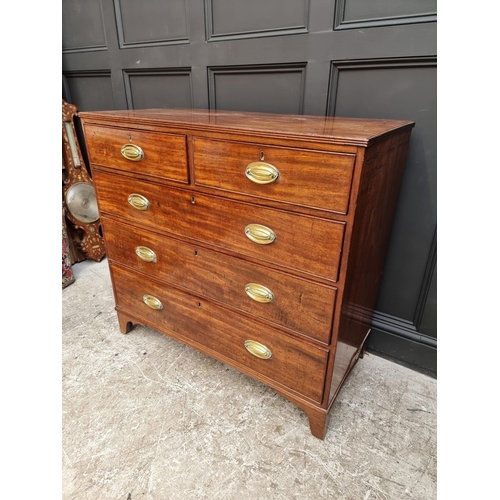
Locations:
158 88
272 89
152 22
82 26
360 13
401 89
91 90
239 19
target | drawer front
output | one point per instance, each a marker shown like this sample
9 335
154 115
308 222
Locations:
308 244
307 178
285 300
147 153
297 365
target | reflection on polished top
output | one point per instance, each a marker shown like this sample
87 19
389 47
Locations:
354 131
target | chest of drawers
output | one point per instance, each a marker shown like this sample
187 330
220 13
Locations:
257 239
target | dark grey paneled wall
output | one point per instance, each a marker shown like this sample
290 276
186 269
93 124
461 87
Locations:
230 19
152 22
320 57
83 26
158 88
271 88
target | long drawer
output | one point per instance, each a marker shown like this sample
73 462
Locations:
147 153
294 364
294 176
309 244
288 301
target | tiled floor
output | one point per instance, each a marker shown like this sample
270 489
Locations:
145 417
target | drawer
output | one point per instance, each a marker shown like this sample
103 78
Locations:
149 153
300 305
295 176
309 244
299 366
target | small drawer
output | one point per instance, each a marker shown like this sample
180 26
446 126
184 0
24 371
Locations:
275 238
285 300
259 350
147 153
300 177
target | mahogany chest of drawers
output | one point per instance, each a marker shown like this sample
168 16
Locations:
257 239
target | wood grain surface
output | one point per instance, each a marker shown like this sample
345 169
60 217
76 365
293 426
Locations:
308 178
295 364
311 245
300 305
330 209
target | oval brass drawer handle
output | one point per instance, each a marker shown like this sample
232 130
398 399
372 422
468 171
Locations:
259 293
145 254
138 201
258 349
260 234
152 302
262 173
132 152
